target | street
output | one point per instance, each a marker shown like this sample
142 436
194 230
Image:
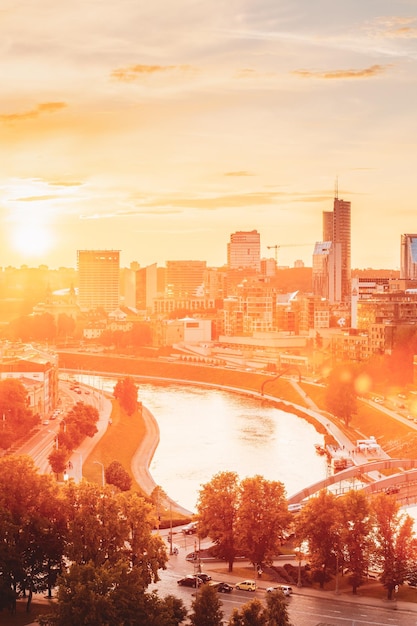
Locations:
306 607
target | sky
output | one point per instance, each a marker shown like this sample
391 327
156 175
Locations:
160 128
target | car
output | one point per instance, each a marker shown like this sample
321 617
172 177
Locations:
205 578
190 581
286 589
190 529
393 489
45 422
224 588
246 585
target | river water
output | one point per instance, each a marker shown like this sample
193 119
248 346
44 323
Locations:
204 431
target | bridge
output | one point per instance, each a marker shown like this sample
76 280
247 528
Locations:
403 484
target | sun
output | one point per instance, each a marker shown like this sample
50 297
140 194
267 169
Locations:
32 239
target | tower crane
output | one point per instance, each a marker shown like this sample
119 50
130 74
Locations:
276 251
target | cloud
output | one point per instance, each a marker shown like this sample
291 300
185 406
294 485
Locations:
239 173
394 27
133 72
45 107
366 72
36 198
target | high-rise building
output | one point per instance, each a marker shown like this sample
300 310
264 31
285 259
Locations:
98 279
331 257
244 250
341 235
185 279
408 268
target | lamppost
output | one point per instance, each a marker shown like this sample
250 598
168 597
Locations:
103 480
299 583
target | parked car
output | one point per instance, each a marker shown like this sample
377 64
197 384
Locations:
190 581
286 589
246 585
205 578
190 529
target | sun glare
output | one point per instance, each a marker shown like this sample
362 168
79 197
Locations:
32 239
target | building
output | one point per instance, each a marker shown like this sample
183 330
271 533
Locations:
244 250
36 369
185 279
98 279
332 256
408 257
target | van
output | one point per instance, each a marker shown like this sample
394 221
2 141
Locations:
285 589
246 585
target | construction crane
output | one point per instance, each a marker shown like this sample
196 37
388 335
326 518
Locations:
276 252
276 247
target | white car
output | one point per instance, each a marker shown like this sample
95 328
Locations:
286 589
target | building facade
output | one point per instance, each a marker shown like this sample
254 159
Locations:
244 250
408 257
98 279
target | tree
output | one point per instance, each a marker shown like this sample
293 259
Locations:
15 414
356 528
126 392
116 475
58 459
393 540
319 523
206 608
262 518
276 609
217 508
33 527
251 614
341 397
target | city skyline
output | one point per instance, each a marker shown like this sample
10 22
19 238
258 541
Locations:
160 130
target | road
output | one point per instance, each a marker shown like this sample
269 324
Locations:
306 607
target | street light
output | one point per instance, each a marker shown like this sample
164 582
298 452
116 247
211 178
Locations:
103 482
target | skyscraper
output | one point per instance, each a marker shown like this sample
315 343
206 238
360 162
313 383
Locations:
408 257
244 250
98 279
331 257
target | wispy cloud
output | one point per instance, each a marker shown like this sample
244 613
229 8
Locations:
45 107
35 198
239 173
134 72
367 72
393 27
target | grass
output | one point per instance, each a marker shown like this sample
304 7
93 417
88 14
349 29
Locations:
119 443
21 618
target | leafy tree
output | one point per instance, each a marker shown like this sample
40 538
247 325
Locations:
58 459
217 508
16 416
116 475
251 614
33 528
341 397
276 609
126 392
394 541
206 608
355 529
262 518
319 523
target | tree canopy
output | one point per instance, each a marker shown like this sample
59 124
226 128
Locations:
126 392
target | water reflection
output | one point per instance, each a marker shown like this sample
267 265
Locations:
204 431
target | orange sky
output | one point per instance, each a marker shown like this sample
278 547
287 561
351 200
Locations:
160 128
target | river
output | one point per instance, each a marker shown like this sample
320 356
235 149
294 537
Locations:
204 431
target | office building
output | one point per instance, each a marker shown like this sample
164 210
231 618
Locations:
408 257
244 250
185 279
98 279
332 256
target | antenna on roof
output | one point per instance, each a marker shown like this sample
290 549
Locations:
336 188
